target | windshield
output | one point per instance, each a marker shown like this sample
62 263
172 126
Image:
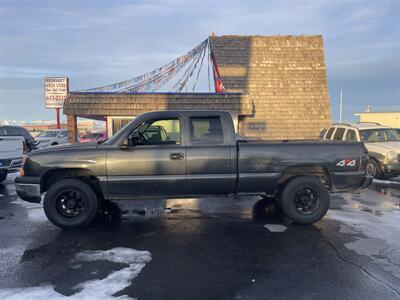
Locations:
48 134
379 135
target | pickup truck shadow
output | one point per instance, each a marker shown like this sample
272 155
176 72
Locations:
114 216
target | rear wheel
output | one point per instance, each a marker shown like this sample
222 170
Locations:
373 169
70 204
305 200
3 176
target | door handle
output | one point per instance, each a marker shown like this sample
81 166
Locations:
176 156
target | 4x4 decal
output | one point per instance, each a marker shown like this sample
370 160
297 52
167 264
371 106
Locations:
346 162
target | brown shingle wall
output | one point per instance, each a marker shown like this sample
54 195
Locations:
133 104
285 78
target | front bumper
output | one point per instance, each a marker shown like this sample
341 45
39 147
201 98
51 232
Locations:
28 188
391 169
10 165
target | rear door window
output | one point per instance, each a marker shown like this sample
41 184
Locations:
339 134
206 130
351 135
329 133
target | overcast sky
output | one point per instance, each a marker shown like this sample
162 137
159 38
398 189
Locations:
100 42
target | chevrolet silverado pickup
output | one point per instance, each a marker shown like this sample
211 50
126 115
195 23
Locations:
191 154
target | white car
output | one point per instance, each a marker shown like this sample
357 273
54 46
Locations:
382 142
51 138
11 152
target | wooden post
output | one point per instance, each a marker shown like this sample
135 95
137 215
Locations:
58 117
72 127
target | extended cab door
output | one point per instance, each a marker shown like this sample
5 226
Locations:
152 163
210 150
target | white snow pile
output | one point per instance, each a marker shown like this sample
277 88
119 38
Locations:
98 289
376 236
34 210
275 227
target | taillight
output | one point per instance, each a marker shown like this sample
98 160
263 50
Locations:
25 148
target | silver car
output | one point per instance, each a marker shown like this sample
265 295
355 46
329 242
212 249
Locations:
382 142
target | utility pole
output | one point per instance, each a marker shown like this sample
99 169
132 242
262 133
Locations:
341 106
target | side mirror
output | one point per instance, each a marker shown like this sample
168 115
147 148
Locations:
124 145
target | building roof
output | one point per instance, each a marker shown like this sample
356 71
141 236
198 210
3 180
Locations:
126 104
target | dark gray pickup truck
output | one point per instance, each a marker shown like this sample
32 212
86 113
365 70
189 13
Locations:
188 153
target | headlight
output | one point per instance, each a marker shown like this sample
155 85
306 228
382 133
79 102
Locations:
391 156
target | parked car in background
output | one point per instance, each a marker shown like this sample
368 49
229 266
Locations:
382 142
93 137
35 133
397 130
51 138
11 130
11 152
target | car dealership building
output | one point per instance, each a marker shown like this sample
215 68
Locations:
275 87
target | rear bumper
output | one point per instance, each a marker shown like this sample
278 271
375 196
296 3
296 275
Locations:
28 188
349 181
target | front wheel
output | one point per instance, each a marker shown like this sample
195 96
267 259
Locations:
70 204
373 169
305 200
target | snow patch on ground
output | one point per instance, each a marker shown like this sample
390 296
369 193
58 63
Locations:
98 289
34 210
275 227
375 235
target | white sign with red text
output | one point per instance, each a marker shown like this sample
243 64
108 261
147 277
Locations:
55 91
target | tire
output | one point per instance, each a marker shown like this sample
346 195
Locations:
3 176
373 169
54 144
305 200
70 204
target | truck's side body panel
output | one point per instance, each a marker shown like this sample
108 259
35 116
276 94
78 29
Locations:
262 164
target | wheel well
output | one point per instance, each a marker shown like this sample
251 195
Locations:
316 171
377 162
87 176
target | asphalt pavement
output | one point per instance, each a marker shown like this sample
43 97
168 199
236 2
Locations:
211 248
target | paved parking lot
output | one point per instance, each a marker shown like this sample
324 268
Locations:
214 248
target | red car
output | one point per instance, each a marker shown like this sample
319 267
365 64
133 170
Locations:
93 137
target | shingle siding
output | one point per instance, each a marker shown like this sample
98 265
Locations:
285 79
118 104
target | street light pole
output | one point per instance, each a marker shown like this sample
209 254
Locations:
341 106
